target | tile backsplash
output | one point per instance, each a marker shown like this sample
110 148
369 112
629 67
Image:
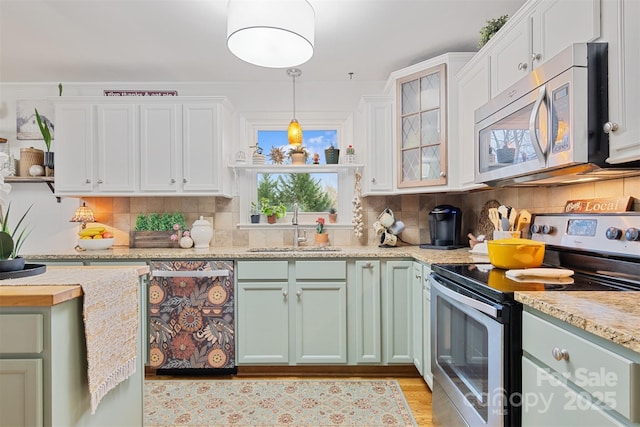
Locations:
119 213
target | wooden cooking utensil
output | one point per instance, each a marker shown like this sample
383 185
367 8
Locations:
494 216
512 219
524 219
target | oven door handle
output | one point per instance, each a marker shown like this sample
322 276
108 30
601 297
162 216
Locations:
190 273
478 305
533 119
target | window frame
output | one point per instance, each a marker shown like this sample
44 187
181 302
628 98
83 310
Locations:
247 175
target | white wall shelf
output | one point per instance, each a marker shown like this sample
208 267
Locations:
310 168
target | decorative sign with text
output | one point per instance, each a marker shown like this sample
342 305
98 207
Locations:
140 93
620 204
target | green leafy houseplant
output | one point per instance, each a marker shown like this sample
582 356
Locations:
492 27
44 128
269 209
12 241
159 222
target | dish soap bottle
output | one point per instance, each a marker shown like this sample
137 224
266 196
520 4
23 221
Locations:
201 233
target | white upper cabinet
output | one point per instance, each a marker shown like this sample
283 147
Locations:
538 31
375 115
620 19
97 148
133 146
473 92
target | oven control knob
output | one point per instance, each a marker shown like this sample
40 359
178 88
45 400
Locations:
632 234
613 233
535 228
547 229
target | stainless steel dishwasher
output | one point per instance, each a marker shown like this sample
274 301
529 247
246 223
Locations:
191 317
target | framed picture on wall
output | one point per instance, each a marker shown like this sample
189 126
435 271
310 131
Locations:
26 123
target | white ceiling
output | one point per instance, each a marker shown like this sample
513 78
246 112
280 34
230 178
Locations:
184 40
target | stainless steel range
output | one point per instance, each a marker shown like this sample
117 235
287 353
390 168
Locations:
476 322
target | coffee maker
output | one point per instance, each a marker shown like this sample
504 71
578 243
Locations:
444 228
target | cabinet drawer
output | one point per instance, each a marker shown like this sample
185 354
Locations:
321 270
21 333
262 270
591 367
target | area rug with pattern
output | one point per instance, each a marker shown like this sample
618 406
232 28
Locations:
275 403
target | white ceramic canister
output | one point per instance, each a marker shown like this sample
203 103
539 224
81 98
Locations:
201 233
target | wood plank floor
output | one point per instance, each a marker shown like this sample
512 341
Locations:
415 390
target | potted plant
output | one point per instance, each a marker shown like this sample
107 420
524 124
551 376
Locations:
492 27
333 216
331 155
43 124
255 213
322 238
11 242
298 155
273 211
154 230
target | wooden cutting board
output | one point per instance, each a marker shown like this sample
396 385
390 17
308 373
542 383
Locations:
485 226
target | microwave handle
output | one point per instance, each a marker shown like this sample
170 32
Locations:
533 119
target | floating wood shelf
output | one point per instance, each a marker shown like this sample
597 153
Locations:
49 180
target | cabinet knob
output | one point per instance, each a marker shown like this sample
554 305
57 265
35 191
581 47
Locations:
443 174
99 181
610 127
285 293
373 180
535 57
298 293
418 276
560 354
87 181
184 180
522 66
173 181
368 265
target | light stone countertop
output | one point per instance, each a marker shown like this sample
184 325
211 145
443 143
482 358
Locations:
614 316
123 253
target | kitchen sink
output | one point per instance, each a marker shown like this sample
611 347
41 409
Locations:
298 249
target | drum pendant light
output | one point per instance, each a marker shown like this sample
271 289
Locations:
271 33
295 131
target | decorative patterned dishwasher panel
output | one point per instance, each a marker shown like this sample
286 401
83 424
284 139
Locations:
191 317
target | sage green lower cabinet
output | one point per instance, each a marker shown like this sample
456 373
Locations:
321 312
262 315
364 310
418 326
43 372
426 326
397 313
573 378
292 312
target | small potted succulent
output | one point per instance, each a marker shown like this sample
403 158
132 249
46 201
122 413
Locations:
321 238
298 155
333 215
255 213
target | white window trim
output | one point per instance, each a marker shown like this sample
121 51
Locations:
251 123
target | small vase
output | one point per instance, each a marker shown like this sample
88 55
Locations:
201 233
48 163
322 239
186 242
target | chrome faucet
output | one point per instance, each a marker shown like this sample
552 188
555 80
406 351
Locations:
296 232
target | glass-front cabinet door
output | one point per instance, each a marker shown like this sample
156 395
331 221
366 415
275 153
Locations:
422 135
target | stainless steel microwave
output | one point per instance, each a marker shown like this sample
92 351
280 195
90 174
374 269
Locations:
548 127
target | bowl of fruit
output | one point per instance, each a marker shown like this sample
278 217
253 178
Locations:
95 238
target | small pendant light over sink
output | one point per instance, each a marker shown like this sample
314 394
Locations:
271 33
295 131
